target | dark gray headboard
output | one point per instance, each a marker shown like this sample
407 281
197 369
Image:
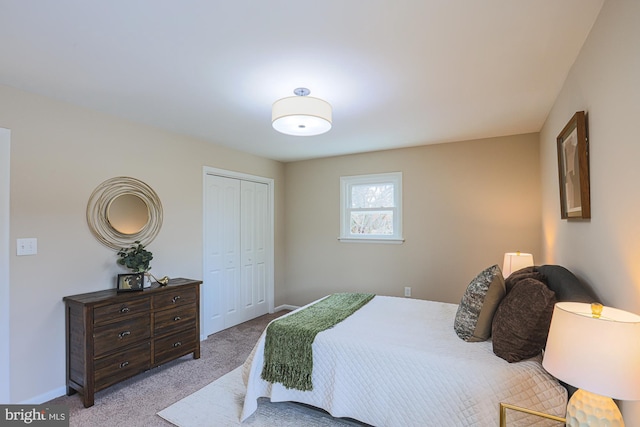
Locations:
566 286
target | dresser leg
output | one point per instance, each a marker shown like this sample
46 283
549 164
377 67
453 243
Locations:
87 399
196 354
71 391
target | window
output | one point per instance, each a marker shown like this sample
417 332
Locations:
371 208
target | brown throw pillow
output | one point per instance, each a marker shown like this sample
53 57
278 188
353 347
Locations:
524 273
478 305
522 320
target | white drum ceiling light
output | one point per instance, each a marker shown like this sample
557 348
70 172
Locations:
301 115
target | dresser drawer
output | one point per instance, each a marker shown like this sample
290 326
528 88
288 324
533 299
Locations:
120 311
116 335
112 369
174 346
176 318
175 297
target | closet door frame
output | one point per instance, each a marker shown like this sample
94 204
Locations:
269 262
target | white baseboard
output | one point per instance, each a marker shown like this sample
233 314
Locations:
45 397
285 307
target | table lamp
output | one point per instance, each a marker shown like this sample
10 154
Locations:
514 261
596 349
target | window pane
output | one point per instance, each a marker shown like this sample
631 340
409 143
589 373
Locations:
372 196
372 223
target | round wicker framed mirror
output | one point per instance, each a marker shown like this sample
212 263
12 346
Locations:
124 210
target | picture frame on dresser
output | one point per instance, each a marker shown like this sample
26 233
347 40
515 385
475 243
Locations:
573 169
130 282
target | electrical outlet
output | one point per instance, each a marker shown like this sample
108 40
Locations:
27 246
407 291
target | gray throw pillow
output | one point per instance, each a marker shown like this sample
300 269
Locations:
478 305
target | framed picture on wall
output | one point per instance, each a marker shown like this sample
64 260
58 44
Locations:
573 169
130 282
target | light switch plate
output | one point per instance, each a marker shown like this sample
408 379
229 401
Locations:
27 246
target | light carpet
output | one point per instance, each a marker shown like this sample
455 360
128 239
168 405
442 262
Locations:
220 404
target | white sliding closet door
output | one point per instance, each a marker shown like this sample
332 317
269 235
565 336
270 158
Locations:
222 253
236 244
253 231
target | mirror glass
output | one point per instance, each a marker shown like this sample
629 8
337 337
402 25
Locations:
128 214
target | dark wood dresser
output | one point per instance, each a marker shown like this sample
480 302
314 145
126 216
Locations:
112 336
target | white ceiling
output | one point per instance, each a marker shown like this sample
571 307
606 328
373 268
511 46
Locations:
398 73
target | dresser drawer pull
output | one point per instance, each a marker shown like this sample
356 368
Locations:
123 364
177 344
124 310
176 298
123 334
177 318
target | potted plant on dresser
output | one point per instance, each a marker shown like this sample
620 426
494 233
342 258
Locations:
137 259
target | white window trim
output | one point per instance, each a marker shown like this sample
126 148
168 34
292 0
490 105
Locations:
345 191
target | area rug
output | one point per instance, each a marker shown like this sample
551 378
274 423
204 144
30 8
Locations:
220 404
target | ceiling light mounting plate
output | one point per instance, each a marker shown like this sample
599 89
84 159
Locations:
302 91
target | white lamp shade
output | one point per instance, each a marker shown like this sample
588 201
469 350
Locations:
514 261
301 116
600 355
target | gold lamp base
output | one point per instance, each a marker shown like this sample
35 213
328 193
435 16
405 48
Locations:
586 409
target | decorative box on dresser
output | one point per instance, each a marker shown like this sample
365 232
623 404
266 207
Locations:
113 336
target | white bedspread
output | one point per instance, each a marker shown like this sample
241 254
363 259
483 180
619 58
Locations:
398 362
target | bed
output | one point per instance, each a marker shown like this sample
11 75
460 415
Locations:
399 362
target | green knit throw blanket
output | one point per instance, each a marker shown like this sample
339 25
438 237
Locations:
288 357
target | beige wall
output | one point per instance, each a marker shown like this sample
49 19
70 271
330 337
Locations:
604 82
465 204
59 154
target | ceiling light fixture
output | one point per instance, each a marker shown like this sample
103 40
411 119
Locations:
301 115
